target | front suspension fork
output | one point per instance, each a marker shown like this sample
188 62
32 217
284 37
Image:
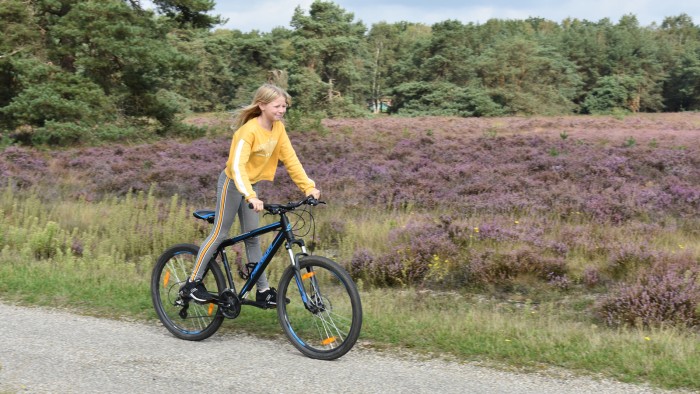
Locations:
300 277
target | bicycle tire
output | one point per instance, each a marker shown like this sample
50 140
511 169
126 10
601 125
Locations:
332 331
169 274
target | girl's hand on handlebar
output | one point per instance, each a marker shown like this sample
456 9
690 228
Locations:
256 204
315 193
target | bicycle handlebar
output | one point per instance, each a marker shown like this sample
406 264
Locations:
283 208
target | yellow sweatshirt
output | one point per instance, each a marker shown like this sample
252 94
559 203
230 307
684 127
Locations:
254 155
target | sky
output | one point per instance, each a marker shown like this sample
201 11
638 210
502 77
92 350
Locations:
264 15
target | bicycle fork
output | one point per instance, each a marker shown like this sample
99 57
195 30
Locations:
314 305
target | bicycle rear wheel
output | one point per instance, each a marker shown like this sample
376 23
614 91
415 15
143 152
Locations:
331 324
186 320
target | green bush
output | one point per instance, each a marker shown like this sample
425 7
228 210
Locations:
120 132
44 243
612 93
52 95
62 134
305 121
75 133
167 105
180 129
442 99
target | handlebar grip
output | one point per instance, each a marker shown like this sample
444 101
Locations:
265 205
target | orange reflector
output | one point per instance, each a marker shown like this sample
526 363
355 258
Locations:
166 279
328 341
307 275
211 309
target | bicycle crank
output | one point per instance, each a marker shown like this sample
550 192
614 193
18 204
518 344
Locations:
230 304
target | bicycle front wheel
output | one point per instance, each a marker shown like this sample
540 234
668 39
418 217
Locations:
185 319
328 324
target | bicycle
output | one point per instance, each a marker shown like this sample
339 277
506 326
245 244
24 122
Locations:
323 320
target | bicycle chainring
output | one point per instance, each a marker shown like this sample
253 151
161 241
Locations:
230 304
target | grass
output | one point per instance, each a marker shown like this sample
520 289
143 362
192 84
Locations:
95 258
529 337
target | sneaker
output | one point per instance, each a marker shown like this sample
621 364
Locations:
268 297
196 291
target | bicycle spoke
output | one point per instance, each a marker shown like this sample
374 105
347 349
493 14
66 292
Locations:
330 333
185 319
331 324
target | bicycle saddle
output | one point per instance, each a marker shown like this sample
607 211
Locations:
204 214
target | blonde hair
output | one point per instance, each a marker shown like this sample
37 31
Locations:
265 94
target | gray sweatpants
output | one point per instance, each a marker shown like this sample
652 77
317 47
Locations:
229 203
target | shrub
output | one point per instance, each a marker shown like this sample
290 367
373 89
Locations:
615 92
491 267
666 294
373 270
120 132
44 243
415 249
306 121
591 277
561 282
360 263
21 167
53 95
163 105
331 232
62 134
442 99
179 129
400 166
627 259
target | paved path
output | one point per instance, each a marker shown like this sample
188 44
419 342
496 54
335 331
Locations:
54 351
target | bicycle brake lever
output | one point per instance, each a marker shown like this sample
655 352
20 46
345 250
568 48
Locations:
315 202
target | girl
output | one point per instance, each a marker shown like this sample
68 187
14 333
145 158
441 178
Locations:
259 142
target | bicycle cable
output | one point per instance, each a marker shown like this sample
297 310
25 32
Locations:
304 223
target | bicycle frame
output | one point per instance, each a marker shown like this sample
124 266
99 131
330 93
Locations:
285 236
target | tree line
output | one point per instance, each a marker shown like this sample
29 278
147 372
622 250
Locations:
73 71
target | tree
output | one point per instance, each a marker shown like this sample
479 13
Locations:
680 40
330 45
190 13
55 95
526 78
407 46
449 54
613 93
584 44
391 47
88 62
442 99
122 51
19 38
682 89
230 65
680 29
633 52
